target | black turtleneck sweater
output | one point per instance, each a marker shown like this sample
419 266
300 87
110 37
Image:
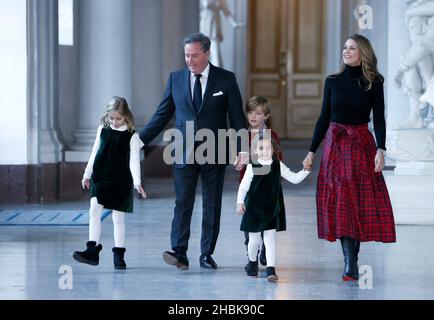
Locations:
346 101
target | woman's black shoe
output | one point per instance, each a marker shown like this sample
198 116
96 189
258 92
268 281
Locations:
356 253
348 248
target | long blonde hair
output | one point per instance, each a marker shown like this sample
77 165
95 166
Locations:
369 61
119 105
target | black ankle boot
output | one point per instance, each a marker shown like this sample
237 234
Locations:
252 268
271 274
90 255
247 253
349 258
118 258
356 253
262 256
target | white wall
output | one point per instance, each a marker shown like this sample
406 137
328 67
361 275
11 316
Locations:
13 82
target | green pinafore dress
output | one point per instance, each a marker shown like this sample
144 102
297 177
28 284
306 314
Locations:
265 207
111 181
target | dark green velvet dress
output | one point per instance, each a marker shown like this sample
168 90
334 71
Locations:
111 181
265 207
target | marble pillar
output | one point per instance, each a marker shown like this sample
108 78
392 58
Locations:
44 141
105 66
410 140
148 81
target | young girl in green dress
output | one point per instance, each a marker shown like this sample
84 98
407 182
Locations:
260 201
112 171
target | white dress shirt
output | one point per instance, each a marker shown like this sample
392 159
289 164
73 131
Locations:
203 81
285 173
135 145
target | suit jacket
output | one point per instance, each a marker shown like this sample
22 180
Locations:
221 100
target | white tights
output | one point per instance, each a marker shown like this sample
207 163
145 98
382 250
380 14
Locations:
95 213
270 246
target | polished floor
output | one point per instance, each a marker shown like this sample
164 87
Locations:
36 243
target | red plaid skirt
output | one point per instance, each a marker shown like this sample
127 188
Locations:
352 200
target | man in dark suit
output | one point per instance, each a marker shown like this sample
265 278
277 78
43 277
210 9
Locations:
201 96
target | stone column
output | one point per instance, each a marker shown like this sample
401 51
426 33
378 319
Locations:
410 144
105 55
44 145
334 36
147 59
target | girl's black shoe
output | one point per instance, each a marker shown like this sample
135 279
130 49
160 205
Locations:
90 255
262 256
118 258
271 274
252 268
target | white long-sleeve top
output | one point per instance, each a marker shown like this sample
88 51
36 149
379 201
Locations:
285 173
135 145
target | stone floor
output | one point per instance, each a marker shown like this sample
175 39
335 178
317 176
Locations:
35 252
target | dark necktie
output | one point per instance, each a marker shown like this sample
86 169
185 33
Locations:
197 93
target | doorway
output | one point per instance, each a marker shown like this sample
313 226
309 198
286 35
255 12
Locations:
286 61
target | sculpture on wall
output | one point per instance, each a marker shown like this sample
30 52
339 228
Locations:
417 65
416 78
211 25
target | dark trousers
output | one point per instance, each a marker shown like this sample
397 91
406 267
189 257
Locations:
185 188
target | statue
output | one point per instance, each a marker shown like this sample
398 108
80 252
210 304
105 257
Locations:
211 25
417 63
426 9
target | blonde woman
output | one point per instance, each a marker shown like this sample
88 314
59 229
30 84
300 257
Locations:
112 171
353 204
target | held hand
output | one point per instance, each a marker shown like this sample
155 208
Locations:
241 160
308 161
239 167
237 161
140 190
85 183
241 209
379 161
